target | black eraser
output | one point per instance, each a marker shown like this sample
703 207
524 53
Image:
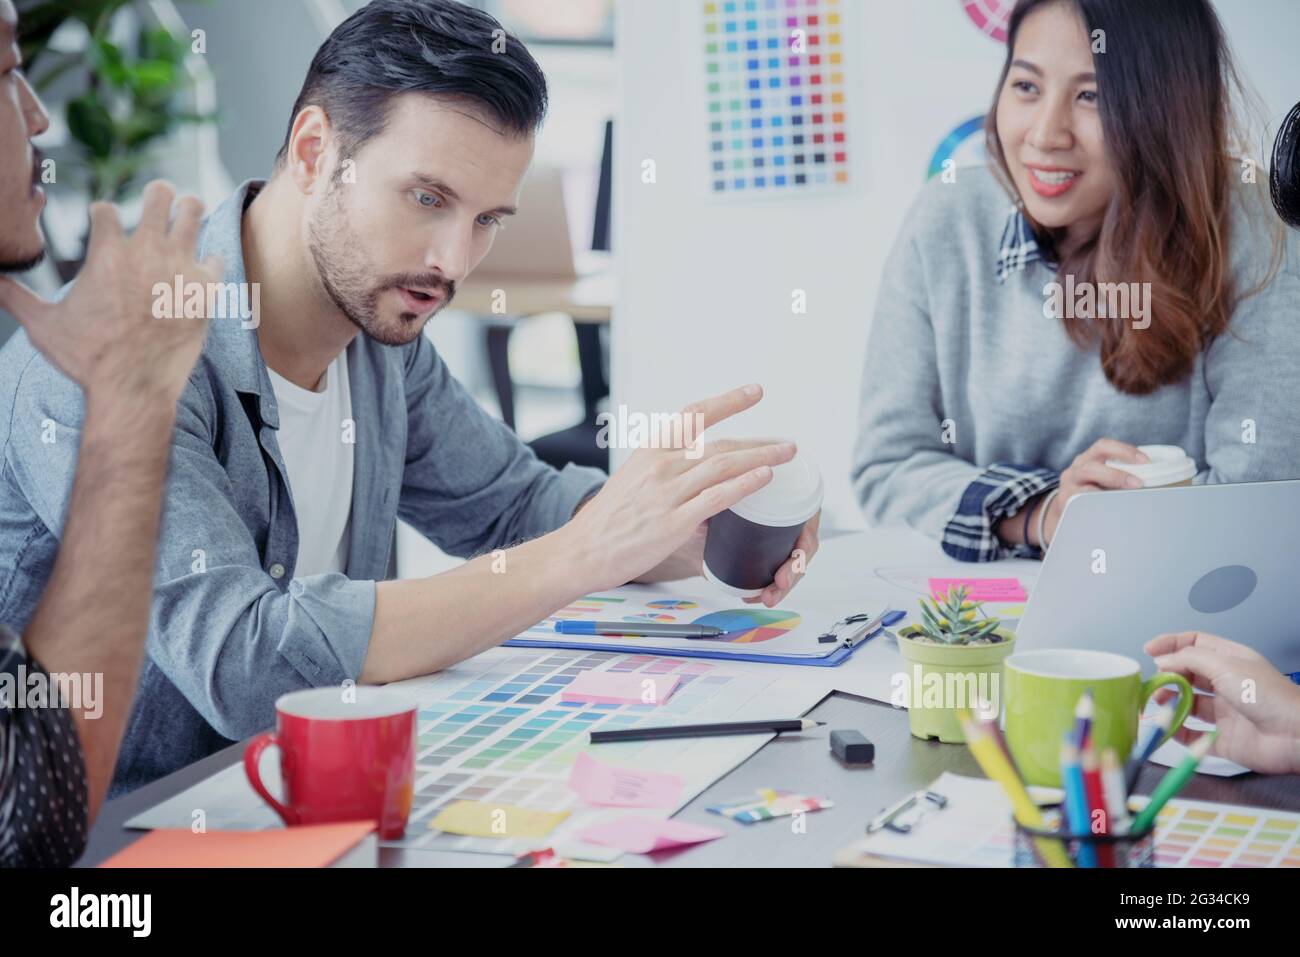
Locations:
852 748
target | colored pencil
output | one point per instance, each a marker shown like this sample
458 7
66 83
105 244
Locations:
1083 710
1149 738
991 760
1076 801
1112 786
1092 790
1173 782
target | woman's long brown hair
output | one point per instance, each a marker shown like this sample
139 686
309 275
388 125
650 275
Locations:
1164 91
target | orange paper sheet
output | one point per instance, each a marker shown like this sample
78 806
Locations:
317 845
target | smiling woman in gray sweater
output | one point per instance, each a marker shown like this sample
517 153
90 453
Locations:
1126 290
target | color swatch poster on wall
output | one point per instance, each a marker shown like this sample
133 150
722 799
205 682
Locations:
775 81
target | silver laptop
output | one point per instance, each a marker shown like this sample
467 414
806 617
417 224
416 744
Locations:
1126 566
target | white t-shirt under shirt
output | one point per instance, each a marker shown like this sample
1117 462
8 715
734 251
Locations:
319 463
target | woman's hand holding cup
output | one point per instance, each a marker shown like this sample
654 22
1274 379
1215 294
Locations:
1090 473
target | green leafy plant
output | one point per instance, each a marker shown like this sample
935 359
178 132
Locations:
955 619
130 98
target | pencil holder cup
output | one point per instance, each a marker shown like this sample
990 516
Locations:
1049 847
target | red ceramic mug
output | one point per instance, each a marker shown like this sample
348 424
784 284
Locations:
346 754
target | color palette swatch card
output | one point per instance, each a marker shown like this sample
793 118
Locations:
1200 834
774 93
767 803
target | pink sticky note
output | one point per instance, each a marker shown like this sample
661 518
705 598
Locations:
623 687
642 835
981 589
599 783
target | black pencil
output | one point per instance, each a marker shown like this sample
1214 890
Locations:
704 730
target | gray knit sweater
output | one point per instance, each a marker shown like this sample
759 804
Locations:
973 400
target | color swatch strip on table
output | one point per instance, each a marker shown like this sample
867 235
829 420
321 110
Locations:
775 95
1199 834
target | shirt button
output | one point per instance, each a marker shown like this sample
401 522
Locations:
277 570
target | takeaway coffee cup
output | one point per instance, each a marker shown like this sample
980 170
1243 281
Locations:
748 542
341 758
1168 466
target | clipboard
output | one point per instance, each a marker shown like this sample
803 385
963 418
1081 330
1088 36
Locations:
836 657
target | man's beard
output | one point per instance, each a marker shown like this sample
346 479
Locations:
19 265
12 261
348 282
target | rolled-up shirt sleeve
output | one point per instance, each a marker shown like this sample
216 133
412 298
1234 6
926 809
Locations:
998 492
43 805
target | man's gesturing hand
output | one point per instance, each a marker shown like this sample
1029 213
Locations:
103 334
658 500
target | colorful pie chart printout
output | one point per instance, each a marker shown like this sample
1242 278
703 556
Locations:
750 625
778 631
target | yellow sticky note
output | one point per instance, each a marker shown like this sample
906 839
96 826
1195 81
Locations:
486 819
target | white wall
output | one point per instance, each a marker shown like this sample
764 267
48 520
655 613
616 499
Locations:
705 301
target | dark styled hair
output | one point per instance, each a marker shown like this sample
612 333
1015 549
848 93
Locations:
1285 177
436 47
1165 90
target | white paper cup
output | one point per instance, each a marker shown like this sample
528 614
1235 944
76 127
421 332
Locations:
748 542
1169 466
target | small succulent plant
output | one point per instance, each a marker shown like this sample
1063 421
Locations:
954 619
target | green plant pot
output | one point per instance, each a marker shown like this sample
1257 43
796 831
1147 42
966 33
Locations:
943 678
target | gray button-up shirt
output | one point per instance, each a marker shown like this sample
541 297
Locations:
228 635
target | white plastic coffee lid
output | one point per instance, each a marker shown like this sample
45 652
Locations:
1168 464
792 497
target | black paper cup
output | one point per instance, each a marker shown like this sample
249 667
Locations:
748 542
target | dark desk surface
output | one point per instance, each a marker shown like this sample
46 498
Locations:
800 762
